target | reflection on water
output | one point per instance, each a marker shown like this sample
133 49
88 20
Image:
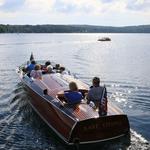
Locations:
128 86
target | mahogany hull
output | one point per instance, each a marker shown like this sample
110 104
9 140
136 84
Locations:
59 122
81 124
100 129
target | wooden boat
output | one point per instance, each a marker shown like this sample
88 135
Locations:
73 124
104 39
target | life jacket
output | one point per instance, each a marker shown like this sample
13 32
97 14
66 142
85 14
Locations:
73 97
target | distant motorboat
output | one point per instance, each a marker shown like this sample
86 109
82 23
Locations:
104 39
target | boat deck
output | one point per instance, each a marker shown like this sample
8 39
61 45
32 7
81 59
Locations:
55 83
73 123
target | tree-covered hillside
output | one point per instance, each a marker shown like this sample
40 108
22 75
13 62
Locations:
72 29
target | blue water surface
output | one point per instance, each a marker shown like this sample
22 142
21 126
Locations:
123 64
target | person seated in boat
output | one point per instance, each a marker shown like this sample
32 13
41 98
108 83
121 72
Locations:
50 69
98 95
44 67
37 72
56 69
63 71
73 96
30 67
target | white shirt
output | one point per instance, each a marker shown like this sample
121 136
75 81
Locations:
37 74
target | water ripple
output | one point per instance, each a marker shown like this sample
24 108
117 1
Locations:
127 85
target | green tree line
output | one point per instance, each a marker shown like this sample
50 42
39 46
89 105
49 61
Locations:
72 29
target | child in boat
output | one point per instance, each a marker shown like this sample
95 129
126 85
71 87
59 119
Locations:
36 73
98 95
73 96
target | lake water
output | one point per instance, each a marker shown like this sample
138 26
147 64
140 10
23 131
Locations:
123 65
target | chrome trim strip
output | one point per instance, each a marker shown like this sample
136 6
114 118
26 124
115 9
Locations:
70 133
97 141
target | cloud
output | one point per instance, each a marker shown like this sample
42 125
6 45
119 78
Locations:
1 2
93 7
75 6
107 1
38 5
61 6
11 5
74 11
138 5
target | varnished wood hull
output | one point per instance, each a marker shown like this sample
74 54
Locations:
59 122
100 129
73 124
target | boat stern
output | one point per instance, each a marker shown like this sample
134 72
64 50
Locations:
100 129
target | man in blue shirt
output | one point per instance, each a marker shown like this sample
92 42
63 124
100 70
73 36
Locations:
31 66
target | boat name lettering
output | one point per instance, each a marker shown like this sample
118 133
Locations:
90 127
111 124
102 125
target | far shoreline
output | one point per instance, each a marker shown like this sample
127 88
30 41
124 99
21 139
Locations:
72 29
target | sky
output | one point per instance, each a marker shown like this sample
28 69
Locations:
90 12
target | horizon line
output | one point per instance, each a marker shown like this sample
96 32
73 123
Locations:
78 25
